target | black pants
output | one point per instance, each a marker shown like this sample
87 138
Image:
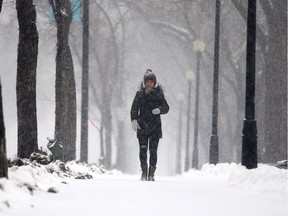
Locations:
151 142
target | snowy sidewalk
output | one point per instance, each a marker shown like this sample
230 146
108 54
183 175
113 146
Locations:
192 194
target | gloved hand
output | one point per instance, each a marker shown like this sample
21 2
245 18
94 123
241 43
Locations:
156 111
135 125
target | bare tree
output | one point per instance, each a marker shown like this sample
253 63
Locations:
26 78
107 72
122 149
275 75
65 122
3 159
276 83
85 83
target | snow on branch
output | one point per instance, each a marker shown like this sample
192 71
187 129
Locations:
175 30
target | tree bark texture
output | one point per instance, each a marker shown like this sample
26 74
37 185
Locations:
273 46
121 154
276 84
65 97
1 1
26 79
85 84
3 158
108 131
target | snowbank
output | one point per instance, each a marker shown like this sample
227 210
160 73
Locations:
27 181
265 178
24 180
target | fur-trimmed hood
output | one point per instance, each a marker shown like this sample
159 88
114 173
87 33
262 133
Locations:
157 87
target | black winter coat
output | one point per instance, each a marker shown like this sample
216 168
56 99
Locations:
142 107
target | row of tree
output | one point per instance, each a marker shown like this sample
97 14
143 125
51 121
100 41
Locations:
176 22
114 26
65 123
3 159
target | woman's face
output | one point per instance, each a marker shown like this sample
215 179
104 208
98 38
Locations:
149 84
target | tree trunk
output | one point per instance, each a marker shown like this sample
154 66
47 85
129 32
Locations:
3 159
276 84
121 150
65 113
85 84
108 134
273 45
102 150
121 153
26 79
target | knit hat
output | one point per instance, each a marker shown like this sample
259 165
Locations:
149 75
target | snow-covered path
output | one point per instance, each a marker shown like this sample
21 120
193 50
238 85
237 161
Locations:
125 195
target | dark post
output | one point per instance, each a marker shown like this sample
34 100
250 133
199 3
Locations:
85 84
196 121
199 47
187 159
179 140
249 141
214 141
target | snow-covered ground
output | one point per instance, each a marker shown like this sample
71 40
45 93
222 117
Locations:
221 190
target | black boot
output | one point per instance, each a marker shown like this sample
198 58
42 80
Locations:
151 173
144 172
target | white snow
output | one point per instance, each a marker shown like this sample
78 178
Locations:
221 190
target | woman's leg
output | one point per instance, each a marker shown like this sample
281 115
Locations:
143 145
153 146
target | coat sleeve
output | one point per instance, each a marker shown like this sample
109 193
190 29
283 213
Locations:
164 106
135 107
